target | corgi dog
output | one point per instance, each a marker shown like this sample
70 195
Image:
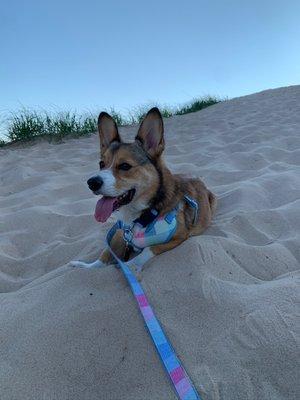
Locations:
134 179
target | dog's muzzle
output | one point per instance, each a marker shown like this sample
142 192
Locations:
95 183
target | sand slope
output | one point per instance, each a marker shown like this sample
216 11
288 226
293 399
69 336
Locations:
227 299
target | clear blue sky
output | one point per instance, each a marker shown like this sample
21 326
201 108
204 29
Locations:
93 54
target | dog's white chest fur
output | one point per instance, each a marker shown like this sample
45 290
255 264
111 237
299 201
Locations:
132 211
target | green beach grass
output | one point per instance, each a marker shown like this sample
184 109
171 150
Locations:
25 125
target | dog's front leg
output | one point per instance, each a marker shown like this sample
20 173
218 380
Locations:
81 264
106 258
140 260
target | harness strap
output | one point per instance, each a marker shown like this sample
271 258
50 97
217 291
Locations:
194 204
146 218
179 377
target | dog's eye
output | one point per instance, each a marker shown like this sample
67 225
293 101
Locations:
101 164
124 166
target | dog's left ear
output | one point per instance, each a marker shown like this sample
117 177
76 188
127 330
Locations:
108 131
151 133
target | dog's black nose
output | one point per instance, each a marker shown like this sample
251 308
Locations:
95 183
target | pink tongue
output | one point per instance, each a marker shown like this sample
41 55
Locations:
104 208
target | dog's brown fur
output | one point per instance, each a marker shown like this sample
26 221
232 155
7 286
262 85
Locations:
158 187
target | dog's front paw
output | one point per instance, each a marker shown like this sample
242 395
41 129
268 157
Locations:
81 264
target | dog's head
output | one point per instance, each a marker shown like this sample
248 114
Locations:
129 173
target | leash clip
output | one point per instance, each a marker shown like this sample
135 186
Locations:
127 234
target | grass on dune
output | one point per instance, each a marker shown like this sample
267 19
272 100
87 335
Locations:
197 105
26 124
138 114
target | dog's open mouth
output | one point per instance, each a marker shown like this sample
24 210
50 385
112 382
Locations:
107 205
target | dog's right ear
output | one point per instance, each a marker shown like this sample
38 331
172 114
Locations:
108 131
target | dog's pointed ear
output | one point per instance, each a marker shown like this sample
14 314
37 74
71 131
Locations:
108 131
151 133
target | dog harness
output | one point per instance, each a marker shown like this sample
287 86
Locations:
151 229
147 231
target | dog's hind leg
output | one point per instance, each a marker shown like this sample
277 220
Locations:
212 202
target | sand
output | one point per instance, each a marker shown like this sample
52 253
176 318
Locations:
227 299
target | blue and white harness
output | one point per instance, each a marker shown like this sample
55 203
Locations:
154 229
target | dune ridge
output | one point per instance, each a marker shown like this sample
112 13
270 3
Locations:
228 299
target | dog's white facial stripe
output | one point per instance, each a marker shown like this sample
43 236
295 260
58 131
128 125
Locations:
109 183
108 187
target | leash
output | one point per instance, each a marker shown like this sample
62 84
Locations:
182 383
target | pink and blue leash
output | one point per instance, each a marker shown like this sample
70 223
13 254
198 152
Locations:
182 383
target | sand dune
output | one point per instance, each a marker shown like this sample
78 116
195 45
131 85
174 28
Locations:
227 299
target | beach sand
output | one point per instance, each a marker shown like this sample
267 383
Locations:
227 299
